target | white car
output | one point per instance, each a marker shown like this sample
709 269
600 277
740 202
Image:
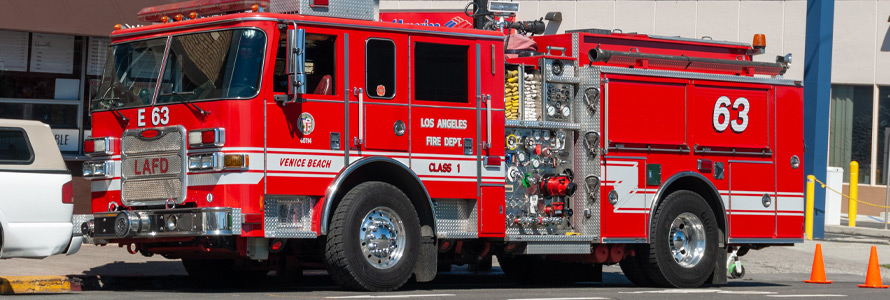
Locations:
36 196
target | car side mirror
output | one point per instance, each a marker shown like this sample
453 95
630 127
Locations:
296 66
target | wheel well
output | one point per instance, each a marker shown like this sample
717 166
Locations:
391 172
696 183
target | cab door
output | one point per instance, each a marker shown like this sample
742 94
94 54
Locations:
378 98
444 116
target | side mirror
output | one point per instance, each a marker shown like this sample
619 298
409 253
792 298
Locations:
296 65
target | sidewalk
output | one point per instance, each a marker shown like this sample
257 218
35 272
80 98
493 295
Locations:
866 226
93 267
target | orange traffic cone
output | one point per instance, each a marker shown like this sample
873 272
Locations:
873 277
818 273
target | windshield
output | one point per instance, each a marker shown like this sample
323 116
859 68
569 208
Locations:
131 74
207 65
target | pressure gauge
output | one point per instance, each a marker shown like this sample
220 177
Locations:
551 111
566 111
512 142
537 135
521 156
514 174
536 163
546 135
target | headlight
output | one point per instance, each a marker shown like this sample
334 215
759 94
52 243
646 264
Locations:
95 169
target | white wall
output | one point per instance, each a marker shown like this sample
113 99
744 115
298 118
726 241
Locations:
861 38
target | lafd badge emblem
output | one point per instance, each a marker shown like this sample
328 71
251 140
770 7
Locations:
306 123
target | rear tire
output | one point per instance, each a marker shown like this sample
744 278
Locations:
632 266
683 250
374 239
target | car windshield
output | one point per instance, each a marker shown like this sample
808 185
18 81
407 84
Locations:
206 65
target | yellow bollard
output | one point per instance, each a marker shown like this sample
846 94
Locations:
854 192
811 188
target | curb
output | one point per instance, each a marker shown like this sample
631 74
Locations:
11 285
862 231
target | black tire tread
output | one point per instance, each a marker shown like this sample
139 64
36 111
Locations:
336 255
650 264
632 267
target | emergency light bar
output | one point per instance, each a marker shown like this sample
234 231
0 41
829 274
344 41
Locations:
200 7
503 7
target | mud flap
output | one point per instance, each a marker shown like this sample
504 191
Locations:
719 277
425 270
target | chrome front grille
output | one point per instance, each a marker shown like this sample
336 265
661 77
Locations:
148 190
153 166
169 139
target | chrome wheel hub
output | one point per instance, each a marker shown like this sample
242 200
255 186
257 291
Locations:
382 237
687 240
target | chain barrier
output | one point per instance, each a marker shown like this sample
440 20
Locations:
845 196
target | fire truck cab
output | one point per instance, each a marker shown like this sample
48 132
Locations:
296 134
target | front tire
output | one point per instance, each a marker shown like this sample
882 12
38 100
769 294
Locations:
373 239
683 250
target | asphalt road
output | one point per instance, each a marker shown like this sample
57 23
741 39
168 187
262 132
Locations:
465 285
776 272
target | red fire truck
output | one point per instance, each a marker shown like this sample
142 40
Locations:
249 136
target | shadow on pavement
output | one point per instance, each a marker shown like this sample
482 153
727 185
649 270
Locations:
114 277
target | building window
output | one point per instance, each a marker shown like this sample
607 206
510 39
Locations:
883 134
441 72
851 129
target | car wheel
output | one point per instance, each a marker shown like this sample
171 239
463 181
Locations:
683 249
373 239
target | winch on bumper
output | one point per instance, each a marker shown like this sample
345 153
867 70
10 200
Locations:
215 221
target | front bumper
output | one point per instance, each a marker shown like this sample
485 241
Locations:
180 222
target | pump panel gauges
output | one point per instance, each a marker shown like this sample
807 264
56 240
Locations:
539 180
558 92
558 102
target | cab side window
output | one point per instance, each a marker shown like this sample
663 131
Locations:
15 147
380 68
320 64
440 72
